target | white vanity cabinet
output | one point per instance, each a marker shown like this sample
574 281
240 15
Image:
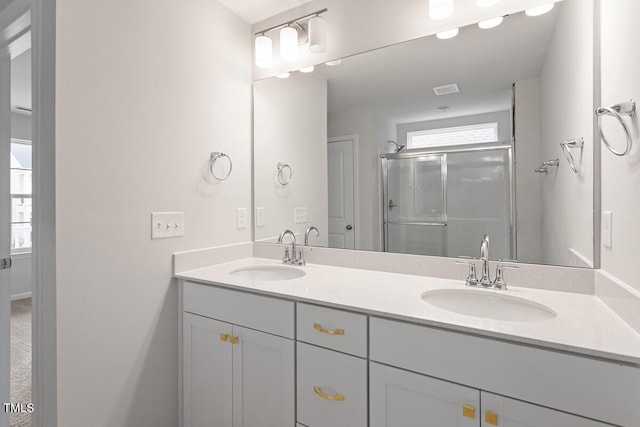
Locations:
234 374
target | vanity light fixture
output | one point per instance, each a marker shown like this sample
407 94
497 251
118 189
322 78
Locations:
440 9
491 23
486 3
317 34
334 63
313 40
449 34
283 75
307 69
540 10
288 44
263 51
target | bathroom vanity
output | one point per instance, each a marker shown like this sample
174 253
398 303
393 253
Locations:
264 345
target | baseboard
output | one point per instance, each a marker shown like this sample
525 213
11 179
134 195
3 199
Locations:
23 295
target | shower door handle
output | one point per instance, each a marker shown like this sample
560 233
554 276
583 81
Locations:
391 205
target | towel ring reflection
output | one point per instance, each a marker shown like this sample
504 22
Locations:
284 180
566 149
617 111
215 156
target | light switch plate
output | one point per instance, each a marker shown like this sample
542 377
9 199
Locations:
260 219
607 228
241 218
300 215
167 224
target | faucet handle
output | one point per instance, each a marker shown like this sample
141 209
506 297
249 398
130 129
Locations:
472 278
499 282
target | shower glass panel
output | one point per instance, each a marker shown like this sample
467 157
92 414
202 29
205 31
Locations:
415 220
479 202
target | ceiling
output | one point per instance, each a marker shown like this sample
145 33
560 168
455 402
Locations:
252 11
399 80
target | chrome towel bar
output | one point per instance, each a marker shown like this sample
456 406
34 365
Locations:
617 111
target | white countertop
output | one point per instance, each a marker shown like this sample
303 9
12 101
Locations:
583 325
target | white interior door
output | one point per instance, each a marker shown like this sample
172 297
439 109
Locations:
5 233
341 194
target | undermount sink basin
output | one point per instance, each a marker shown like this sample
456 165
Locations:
488 304
268 273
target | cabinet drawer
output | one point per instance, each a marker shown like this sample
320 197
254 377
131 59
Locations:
592 388
331 328
261 313
332 388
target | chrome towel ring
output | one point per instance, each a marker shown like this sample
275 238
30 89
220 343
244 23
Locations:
284 178
617 111
566 149
215 156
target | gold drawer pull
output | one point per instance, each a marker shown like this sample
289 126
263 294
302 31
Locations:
322 394
468 411
491 418
233 340
224 337
318 327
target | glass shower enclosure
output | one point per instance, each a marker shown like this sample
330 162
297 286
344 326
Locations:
441 202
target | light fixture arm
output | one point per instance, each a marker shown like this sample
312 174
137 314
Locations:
292 22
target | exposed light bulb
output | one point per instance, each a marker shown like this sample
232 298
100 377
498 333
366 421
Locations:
317 34
486 3
283 75
449 34
307 69
263 51
440 9
288 44
490 23
540 10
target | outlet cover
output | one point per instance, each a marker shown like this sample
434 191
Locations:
260 219
241 218
167 224
300 215
607 229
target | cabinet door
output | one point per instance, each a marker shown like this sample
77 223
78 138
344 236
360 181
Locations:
263 380
403 399
504 412
207 373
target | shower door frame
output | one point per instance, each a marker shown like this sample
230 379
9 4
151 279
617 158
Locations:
443 151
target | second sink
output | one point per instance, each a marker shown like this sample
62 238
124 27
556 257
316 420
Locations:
268 273
488 304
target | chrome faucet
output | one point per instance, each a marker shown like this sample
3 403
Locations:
485 280
306 234
292 257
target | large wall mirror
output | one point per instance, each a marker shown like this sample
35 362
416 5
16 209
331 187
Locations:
426 146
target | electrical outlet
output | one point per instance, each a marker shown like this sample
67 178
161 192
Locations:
607 229
167 224
260 220
300 215
241 218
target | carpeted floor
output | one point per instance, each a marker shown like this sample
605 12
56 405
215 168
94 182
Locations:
21 359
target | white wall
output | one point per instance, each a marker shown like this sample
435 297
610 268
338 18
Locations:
620 65
145 91
567 112
364 123
21 126
356 26
528 152
290 126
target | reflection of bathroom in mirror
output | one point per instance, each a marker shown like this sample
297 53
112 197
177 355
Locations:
425 146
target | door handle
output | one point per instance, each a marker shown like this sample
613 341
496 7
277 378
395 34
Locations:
349 227
392 205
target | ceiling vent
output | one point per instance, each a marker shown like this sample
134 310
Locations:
446 89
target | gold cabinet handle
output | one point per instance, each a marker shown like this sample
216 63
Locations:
491 417
322 394
233 340
224 337
468 411
318 327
